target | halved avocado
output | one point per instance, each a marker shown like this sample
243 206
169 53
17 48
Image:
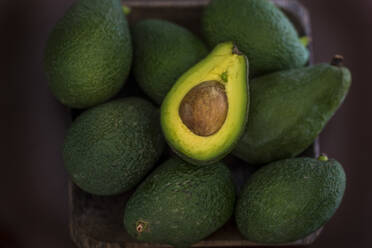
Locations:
205 112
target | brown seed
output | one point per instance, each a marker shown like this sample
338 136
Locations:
204 108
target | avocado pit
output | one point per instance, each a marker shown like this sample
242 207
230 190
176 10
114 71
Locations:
204 108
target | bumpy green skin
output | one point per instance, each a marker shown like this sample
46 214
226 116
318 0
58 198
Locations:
89 53
259 29
181 203
289 199
163 52
289 109
110 148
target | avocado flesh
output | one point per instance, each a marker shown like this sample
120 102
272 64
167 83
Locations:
289 109
230 69
162 52
287 200
259 29
180 203
89 53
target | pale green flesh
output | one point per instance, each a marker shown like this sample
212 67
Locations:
221 65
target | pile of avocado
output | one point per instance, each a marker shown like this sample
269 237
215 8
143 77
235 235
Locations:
248 91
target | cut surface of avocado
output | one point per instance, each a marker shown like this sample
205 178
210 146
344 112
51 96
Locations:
205 112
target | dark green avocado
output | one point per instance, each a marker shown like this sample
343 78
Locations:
180 204
289 109
287 200
89 53
110 148
260 30
163 51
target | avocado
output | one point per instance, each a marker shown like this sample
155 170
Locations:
289 109
110 148
180 204
89 53
289 199
260 30
205 112
163 51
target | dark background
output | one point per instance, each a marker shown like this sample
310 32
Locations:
33 209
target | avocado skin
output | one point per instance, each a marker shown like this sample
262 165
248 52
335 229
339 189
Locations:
110 148
89 53
181 203
163 52
259 29
289 199
289 109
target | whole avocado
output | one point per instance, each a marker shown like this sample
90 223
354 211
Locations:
180 204
163 51
259 29
89 53
289 199
289 109
109 148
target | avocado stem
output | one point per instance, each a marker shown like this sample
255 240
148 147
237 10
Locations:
305 40
323 157
140 227
337 60
236 50
126 10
